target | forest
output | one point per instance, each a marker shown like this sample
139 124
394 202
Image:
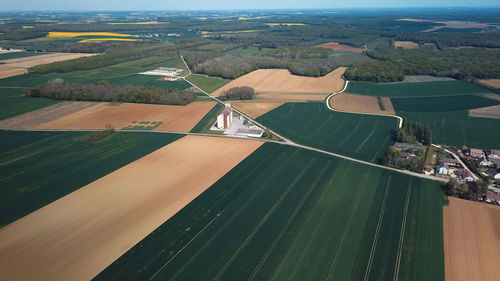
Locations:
105 91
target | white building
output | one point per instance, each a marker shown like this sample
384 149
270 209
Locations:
225 119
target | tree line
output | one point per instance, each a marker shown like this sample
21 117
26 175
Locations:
105 91
112 56
393 65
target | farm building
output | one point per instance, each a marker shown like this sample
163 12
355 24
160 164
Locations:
225 119
163 71
492 197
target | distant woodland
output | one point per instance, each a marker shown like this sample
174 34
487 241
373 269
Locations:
107 92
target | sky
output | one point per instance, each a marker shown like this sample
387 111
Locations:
116 5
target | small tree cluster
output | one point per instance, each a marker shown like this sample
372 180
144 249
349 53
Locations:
238 93
413 131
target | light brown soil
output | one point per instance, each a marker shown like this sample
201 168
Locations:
486 112
174 118
18 66
425 78
471 241
339 47
255 109
405 44
361 104
45 114
79 235
9 72
494 83
282 81
290 97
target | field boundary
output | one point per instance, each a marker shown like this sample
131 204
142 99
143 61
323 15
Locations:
327 101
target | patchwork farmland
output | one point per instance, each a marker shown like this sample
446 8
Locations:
70 161
458 128
416 89
362 104
14 103
290 214
99 222
364 137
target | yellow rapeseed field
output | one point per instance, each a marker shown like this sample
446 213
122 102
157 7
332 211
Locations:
287 24
95 40
77 34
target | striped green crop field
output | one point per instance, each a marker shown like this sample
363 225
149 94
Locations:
37 168
286 213
458 128
12 102
364 137
446 103
416 89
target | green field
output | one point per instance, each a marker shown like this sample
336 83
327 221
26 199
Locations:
415 89
364 137
289 214
447 103
122 74
16 55
206 83
12 102
40 167
208 120
457 128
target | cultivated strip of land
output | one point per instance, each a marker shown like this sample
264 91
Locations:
79 235
472 241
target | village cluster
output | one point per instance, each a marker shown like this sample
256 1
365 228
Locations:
484 167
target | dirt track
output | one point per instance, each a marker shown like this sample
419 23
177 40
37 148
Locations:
174 118
471 241
361 104
255 109
79 235
282 81
18 66
339 47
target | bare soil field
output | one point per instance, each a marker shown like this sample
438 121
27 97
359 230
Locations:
255 109
45 114
425 78
339 47
290 97
282 81
79 235
361 104
486 112
493 83
406 44
18 66
471 241
173 118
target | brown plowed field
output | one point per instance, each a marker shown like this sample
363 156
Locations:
18 66
405 44
174 118
290 97
361 104
282 81
494 83
45 114
255 109
471 241
79 235
339 47
486 112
